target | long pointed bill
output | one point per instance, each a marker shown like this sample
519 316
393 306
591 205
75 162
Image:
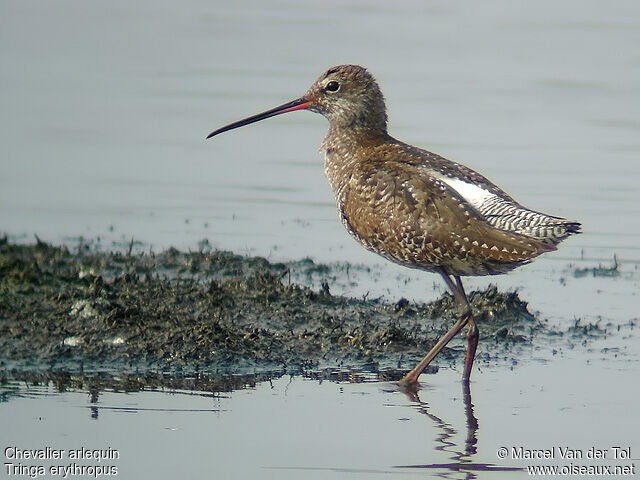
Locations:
299 104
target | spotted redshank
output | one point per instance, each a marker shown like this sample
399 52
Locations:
412 206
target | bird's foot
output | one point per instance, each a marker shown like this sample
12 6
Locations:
410 380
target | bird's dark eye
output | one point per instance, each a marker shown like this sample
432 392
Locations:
332 86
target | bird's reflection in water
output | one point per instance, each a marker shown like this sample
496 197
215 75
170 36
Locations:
462 465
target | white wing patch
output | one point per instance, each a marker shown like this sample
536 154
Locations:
473 194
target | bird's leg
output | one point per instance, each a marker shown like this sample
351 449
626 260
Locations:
472 344
412 377
472 335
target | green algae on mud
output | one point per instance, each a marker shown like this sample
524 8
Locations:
216 312
600 270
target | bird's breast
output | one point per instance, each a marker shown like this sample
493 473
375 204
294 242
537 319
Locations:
338 168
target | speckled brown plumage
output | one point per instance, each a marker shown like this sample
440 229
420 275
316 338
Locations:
413 206
398 210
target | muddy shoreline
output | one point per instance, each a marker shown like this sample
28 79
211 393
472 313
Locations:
214 315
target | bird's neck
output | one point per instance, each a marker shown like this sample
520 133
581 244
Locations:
368 117
344 148
351 138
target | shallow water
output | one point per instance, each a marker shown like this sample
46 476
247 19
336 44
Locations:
294 427
106 109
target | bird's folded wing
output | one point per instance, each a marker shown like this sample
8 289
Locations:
405 213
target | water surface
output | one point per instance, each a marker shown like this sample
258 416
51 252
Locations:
106 107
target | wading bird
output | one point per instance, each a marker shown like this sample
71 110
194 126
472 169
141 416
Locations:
412 206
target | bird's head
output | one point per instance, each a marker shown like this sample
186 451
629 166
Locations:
347 95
